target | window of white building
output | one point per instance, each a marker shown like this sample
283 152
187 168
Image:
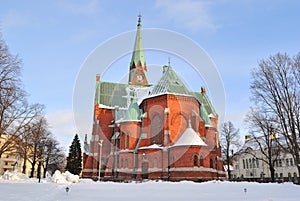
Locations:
291 161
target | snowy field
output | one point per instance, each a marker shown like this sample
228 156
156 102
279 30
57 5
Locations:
85 190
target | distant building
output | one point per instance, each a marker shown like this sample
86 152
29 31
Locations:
12 160
247 166
163 131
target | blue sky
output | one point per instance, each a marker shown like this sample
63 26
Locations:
54 37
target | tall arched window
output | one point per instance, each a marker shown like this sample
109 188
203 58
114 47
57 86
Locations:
195 161
122 140
122 162
126 163
211 163
156 130
127 140
155 162
201 160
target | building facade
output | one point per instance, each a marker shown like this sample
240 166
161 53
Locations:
12 160
164 131
248 166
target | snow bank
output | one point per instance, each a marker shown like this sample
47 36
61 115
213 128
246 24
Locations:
66 177
58 177
14 176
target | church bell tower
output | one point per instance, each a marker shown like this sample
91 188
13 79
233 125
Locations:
138 70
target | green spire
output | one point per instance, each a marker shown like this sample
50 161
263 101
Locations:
134 110
138 61
98 87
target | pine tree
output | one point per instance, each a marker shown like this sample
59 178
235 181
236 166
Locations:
74 159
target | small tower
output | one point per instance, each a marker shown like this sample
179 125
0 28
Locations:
138 69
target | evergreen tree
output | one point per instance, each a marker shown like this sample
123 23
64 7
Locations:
74 159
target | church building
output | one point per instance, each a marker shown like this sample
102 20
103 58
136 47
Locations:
162 131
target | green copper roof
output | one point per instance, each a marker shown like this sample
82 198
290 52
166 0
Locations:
134 111
204 116
204 100
170 83
113 94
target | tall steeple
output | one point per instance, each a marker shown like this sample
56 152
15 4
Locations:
138 69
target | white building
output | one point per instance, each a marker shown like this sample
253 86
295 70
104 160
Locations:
248 166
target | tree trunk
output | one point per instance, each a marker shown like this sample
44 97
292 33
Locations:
46 167
228 170
272 171
24 165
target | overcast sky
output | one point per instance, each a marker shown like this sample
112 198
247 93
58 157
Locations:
54 37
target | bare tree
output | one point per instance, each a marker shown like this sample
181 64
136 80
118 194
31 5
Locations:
54 157
15 111
36 139
275 88
229 137
263 131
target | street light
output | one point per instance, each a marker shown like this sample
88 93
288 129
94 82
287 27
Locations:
100 158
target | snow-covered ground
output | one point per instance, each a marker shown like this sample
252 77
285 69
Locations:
24 189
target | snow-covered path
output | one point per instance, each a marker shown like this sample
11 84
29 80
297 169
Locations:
87 190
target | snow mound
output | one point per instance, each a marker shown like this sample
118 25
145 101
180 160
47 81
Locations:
66 177
14 176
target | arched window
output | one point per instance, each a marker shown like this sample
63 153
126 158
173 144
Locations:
244 164
122 163
247 164
156 130
155 162
250 163
195 161
122 140
257 163
253 162
127 141
211 163
201 160
126 163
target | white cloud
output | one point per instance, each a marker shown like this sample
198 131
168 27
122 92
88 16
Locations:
89 7
192 14
62 125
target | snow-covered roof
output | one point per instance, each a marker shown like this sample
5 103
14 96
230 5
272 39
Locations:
190 138
105 106
153 146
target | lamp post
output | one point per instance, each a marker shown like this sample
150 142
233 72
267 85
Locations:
100 158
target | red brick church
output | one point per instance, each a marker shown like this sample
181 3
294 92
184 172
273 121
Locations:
162 131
